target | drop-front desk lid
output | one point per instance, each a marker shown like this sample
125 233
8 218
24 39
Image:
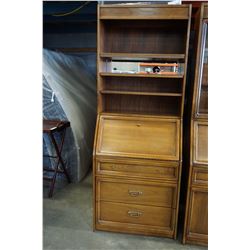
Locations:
140 137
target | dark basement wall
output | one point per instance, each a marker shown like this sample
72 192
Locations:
77 30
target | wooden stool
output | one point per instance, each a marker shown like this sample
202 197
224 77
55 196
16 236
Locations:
51 127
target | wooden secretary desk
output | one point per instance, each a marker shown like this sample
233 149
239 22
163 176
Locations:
138 142
196 214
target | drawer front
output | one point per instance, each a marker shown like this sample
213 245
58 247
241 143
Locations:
200 175
139 137
135 215
150 12
200 154
142 169
137 192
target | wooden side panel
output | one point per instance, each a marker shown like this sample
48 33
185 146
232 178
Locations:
145 12
139 137
200 153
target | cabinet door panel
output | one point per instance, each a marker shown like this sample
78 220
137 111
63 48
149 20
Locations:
200 142
197 227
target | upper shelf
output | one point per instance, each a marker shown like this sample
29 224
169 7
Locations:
142 56
141 75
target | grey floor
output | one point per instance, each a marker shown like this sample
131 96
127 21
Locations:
67 224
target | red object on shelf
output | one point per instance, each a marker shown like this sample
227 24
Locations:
159 64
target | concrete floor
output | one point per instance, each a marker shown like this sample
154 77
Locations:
67 225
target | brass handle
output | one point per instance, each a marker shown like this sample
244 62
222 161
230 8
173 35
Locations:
135 213
134 193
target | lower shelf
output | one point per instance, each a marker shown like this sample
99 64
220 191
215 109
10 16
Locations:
142 104
119 92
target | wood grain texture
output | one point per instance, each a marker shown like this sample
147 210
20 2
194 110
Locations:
144 105
138 36
143 169
200 142
197 224
140 75
117 92
138 147
143 138
140 84
200 176
142 55
136 192
144 12
147 220
196 209
186 60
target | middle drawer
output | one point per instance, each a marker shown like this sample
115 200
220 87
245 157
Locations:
136 192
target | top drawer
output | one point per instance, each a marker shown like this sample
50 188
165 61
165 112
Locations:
144 12
151 138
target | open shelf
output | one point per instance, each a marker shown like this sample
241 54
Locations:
137 36
138 93
142 104
128 52
141 75
153 86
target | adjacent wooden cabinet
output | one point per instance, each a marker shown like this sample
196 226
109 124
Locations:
196 214
138 142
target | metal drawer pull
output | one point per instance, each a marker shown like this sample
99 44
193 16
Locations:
134 213
134 193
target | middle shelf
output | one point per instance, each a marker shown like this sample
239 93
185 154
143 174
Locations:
138 93
142 56
141 75
141 86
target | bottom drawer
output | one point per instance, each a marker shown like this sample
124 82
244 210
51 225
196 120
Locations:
121 215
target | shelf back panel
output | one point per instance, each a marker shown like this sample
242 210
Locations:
145 105
138 36
139 84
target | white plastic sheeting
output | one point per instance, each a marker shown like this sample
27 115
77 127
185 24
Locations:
73 84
